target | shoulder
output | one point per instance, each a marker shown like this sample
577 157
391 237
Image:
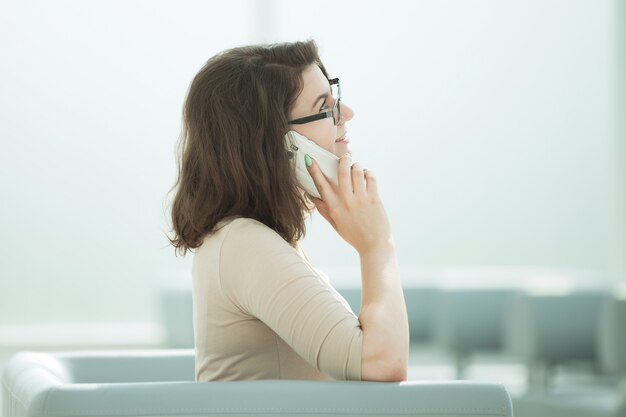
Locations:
242 225
235 225
254 254
247 233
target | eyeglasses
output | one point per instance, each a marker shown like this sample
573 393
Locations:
335 113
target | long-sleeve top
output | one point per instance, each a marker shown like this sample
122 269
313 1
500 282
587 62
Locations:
262 311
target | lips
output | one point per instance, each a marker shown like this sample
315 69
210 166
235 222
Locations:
342 138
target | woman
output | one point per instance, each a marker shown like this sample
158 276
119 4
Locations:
261 310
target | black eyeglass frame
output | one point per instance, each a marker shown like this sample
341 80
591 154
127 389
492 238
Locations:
335 112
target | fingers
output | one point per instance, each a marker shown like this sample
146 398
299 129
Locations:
352 179
320 180
358 179
370 180
345 174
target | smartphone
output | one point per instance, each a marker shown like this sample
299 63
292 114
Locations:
300 145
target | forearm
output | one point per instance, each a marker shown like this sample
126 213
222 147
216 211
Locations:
383 314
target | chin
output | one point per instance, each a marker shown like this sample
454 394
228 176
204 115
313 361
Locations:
341 150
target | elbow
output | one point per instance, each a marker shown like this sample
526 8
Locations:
394 375
401 374
384 372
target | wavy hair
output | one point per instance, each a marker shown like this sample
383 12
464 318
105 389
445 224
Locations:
232 155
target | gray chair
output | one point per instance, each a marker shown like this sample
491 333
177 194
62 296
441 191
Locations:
421 303
611 338
606 397
176 312
550 330
160 382
472 320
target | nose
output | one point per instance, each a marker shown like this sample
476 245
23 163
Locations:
346 113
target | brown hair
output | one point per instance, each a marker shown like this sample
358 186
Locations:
233 158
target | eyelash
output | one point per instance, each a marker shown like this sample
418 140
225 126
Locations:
324 106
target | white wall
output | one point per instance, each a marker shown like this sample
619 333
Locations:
490 126
619 114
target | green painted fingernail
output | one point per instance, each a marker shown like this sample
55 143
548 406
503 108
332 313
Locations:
308 160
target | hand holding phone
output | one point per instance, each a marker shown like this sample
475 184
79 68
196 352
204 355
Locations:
353 208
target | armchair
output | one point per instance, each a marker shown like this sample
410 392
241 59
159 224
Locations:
160 382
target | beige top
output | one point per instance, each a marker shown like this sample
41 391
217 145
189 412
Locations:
262 311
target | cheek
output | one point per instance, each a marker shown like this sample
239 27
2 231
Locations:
321 135
329 144
327 138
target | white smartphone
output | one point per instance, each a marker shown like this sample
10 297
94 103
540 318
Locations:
327 161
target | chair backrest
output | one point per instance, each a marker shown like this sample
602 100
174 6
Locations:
472 319
176 307
555 328
125 383
611 336
421 303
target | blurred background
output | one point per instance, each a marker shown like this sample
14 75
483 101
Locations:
495 128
